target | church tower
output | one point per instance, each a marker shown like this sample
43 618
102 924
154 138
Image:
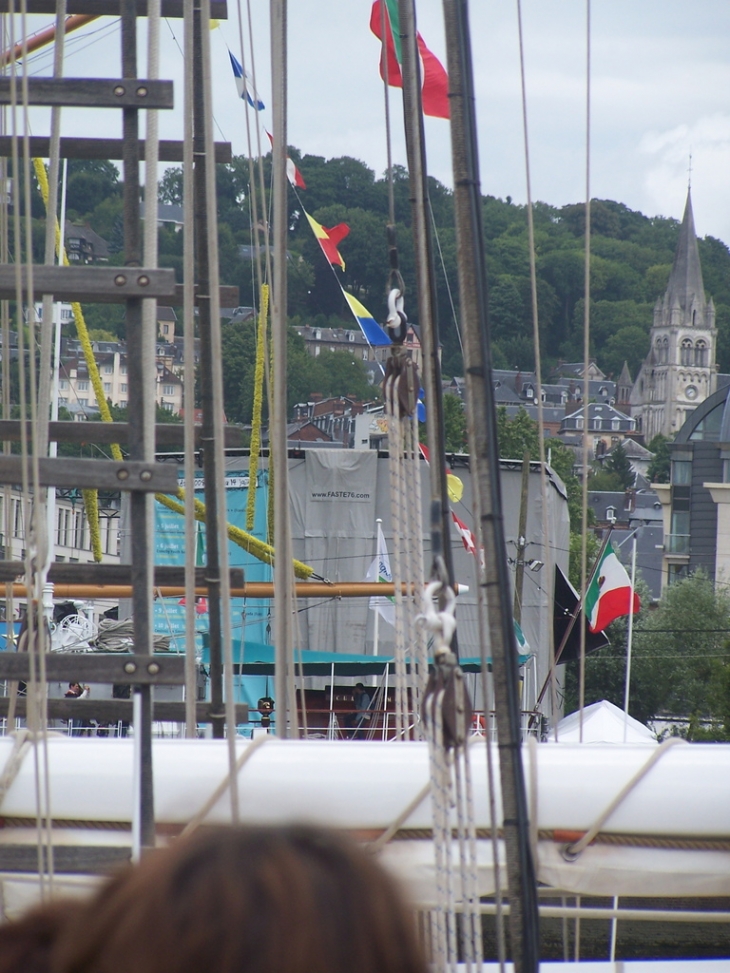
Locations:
679 371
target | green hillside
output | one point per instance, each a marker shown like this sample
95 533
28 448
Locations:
632 257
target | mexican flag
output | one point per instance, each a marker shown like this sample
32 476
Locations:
609 593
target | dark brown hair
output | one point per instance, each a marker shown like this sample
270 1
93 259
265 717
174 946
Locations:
264 900
26 945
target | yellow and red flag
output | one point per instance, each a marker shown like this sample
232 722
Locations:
329 239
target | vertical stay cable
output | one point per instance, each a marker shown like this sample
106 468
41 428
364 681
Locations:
284 595
208 366
47 322
386 99
221 525
546 548
586 383
191 689
495 610
7 519
426 287
34 518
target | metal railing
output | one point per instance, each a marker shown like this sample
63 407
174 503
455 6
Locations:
676 543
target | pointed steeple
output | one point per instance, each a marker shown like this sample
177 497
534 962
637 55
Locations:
686 289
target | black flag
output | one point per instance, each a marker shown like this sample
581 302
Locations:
566 600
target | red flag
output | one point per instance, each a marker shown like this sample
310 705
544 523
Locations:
467 538
434 80
292 173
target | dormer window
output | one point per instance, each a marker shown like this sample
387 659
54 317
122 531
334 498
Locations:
611 514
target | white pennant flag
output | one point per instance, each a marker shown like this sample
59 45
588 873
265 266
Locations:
379 570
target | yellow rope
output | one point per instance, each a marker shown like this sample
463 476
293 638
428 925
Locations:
91 497
260 549
258 395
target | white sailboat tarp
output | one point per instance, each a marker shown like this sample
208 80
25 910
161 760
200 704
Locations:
364 786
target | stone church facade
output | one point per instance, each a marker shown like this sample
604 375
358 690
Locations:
679 372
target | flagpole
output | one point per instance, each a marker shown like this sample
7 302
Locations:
378 522
630 636
571 625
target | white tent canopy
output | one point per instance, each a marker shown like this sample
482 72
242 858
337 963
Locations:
603 723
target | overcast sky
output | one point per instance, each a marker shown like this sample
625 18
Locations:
660 89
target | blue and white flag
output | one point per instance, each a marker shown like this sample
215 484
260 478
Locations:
244 85
379 570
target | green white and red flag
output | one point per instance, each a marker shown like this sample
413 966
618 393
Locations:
434 80
609 594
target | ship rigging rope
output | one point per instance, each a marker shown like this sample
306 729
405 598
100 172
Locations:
586 382
33 520
546 536
574 850
259 549
91 505
221 789
447 717
258 395
191 727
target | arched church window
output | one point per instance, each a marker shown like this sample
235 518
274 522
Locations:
686 355
665 350
701 354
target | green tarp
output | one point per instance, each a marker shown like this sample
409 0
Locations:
258 660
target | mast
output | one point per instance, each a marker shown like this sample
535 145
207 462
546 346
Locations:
426 287
495 609
285 607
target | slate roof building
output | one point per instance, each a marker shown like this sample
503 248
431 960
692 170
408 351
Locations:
696 501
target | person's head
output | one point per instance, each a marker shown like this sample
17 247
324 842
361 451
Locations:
247 900
75 686
26 946
359 687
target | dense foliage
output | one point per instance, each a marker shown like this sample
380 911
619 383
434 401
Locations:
680 660
632 257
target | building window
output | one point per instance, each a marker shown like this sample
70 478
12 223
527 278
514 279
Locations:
62 400
686 352
165 328
681 472
167 406
63 384
83 403
611 514
82 386
108 369
123 404
701 354
675 572
123 369
107 387
123 387
168 389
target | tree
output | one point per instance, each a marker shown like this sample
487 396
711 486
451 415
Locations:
680 659
454 424
619 465
90 182
660 465
517 435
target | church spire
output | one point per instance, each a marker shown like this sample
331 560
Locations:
686 288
